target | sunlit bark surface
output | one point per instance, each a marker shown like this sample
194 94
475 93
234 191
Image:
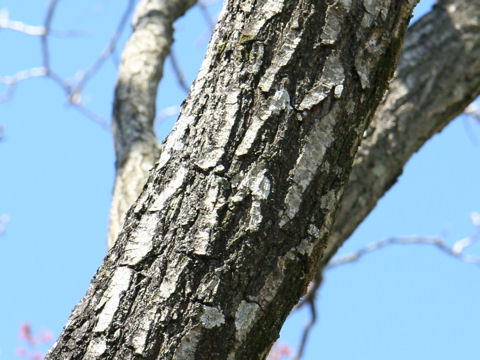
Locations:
235 216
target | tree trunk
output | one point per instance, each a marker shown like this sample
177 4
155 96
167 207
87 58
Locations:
227 232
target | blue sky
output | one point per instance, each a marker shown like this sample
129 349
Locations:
58 167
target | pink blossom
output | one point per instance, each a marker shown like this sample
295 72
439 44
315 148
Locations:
25 333
46 336
20 351
280 352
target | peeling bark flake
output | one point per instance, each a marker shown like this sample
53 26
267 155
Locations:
208 288
333 24
95 349
139 341
141 242
169 190
176 141
111 299
260 188
308 162
169 282
332 76
280 59
258 185
249 137
212 202
225 120
272 282
280 102
270 8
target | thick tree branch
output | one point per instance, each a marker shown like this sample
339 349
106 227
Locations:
438 77
136 146
230 226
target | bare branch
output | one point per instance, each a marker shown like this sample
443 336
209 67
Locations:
438 77
12 80
73 88
100 120
44 37
14 25
168 111
178 73
6 23
455 251
109 49
307 329
203 6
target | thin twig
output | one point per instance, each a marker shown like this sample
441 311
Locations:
44 36
178 72
6 23
203 6
100 120
167 112
455 251
12 80
14 25
307 329
109 49
72 88
206 15
23 75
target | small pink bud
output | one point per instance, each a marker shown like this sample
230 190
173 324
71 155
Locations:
20 351
46 336
25 333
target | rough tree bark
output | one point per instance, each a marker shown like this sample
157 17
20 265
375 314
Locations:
438 76
235 215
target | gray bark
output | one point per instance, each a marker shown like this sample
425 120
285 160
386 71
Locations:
438 76
234 218
136 146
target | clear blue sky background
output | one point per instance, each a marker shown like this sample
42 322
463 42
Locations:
403 302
